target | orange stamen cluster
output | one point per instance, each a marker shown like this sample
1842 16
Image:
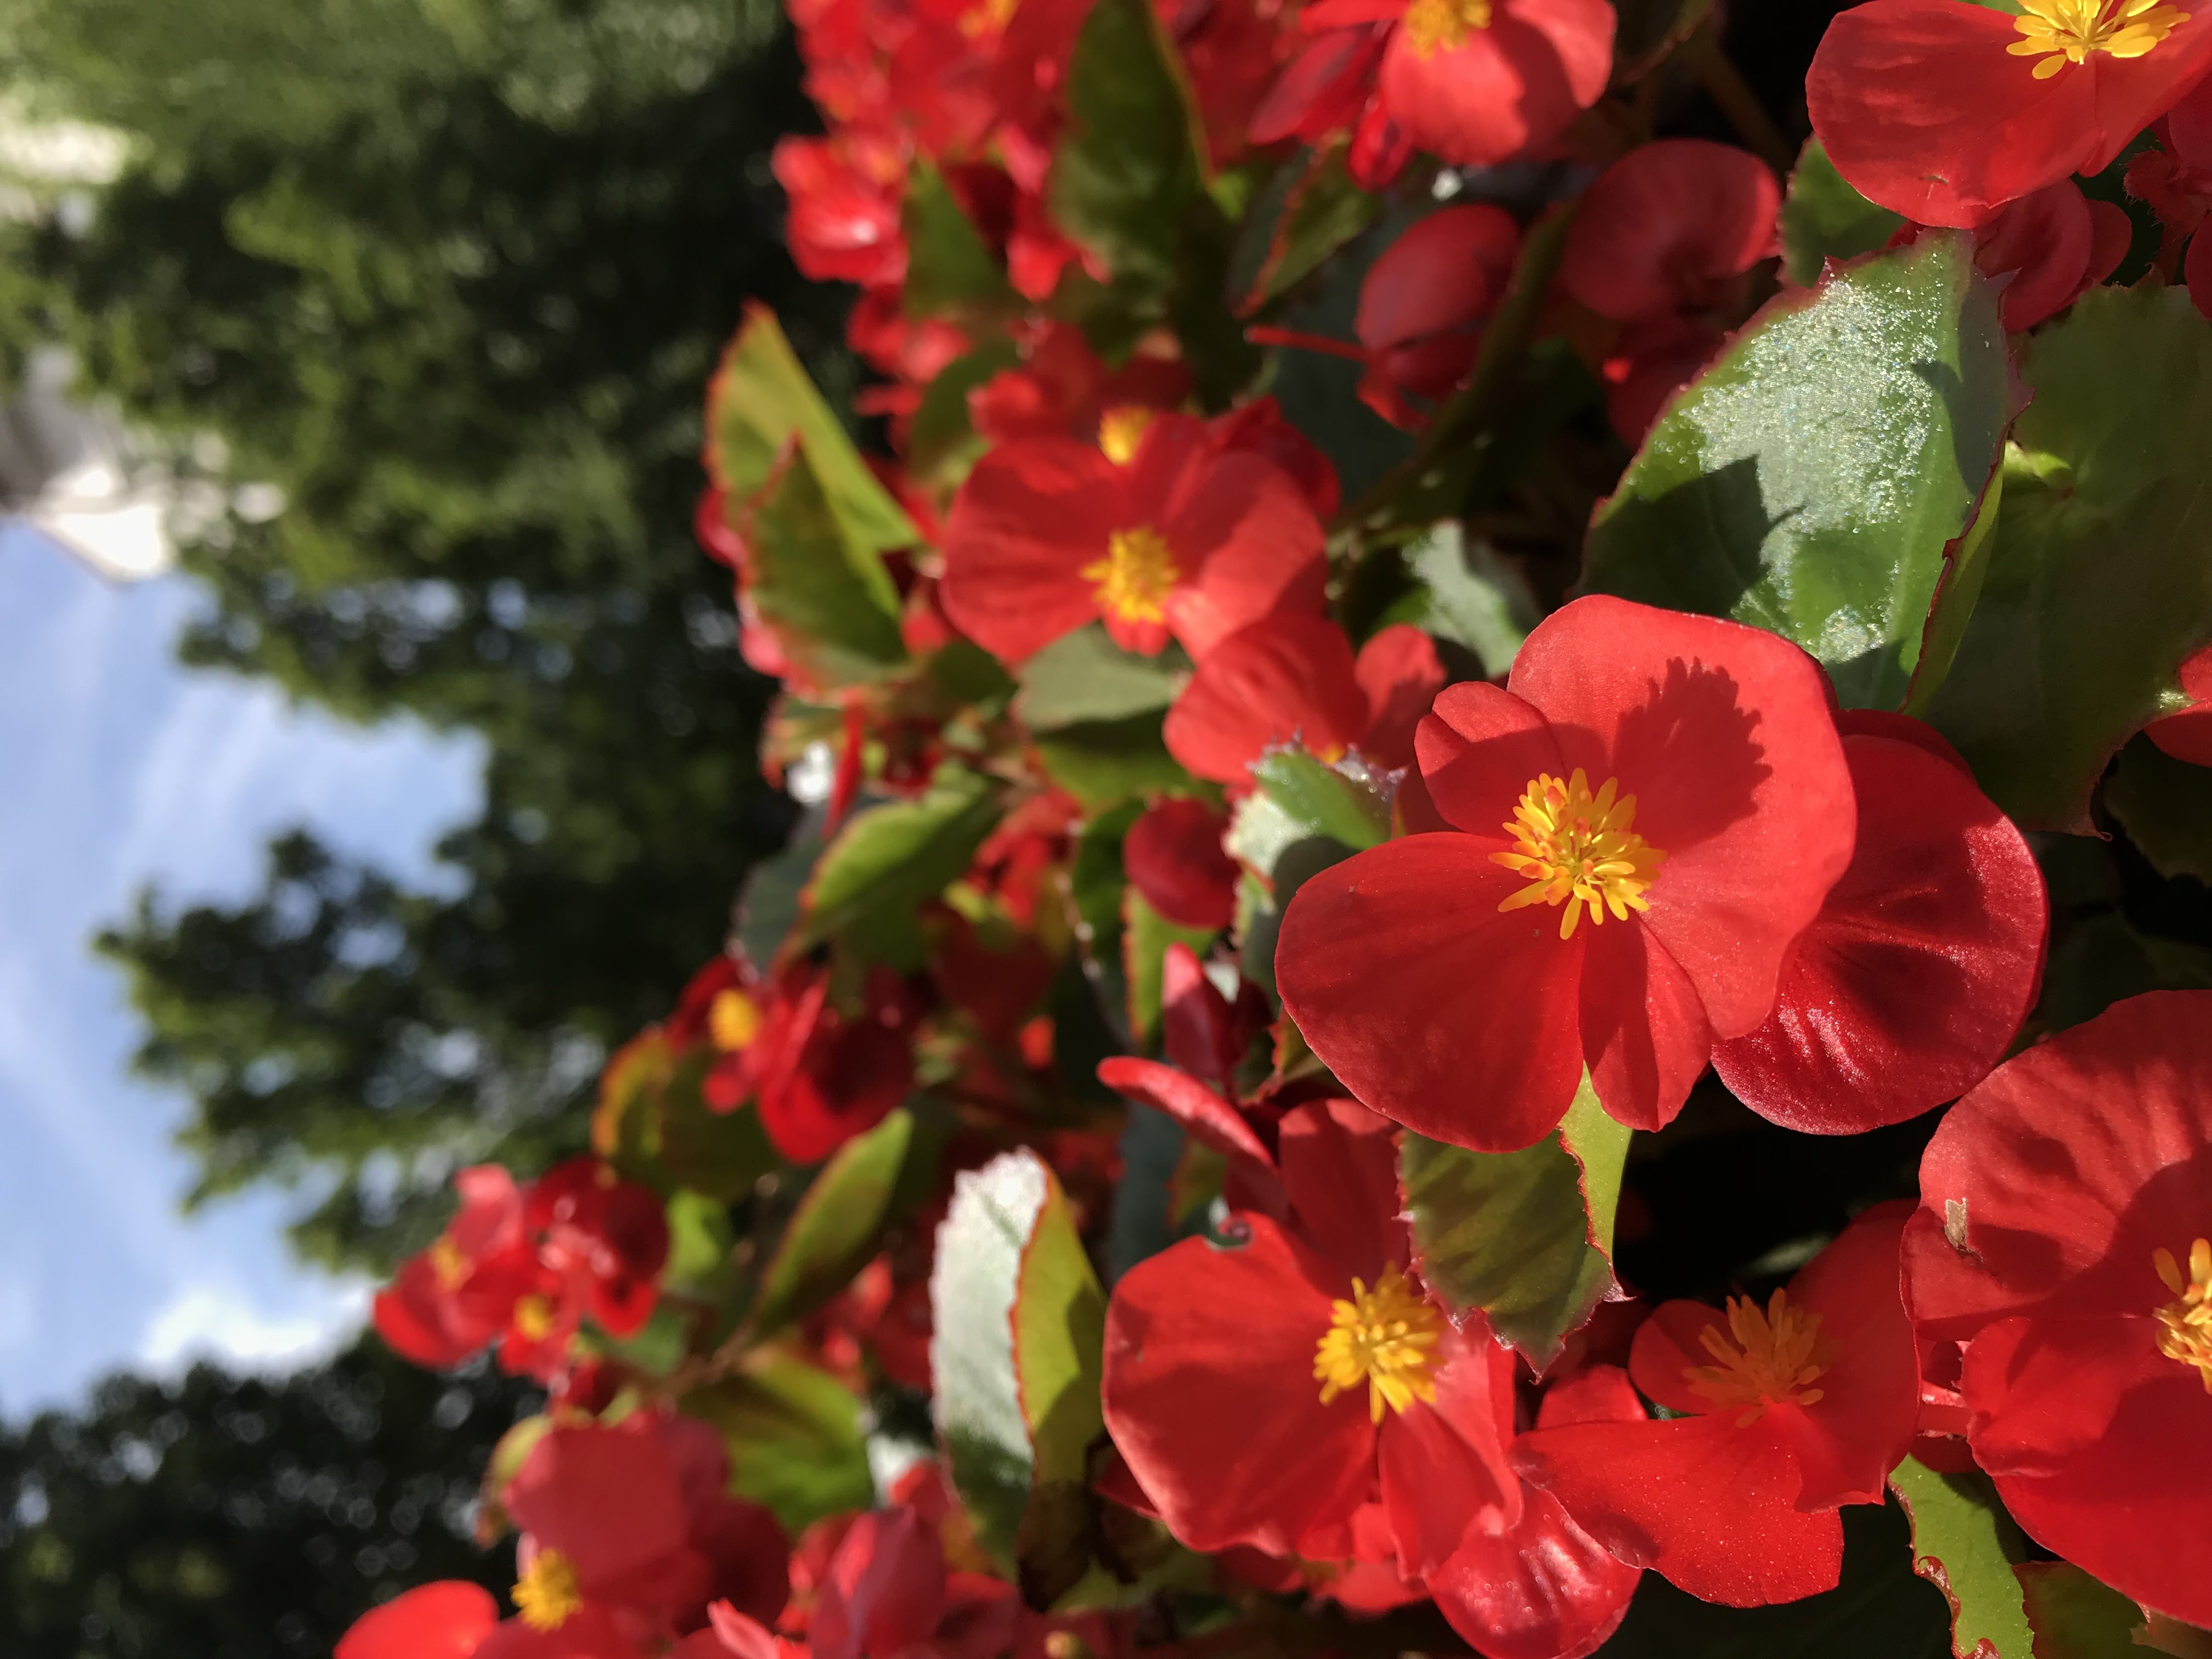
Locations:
733 1020
1135 577
548 1595
1386 1338
1435 26
449 1263
2063 31
2187 1319
1776 1354
1577 848
1121 429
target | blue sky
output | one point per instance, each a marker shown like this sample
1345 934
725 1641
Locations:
119 768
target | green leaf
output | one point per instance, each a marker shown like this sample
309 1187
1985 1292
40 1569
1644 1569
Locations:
1059 1329
1809 482
773 899
1470 596
1880 1611
1131 169
1145 936
2095 962
2099 578
1966 1544
759 401
888 860
1966 565
1342 802
2075 1616
699 1240
1015 1352
720 1154
2165 807
950 267
1525 1237
794 1434
829 605
1823 218
1085 676
1321 210
837 1226
1103 762
942 443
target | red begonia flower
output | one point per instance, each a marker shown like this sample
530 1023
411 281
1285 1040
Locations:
609 1236
1423 302
2065 1207
1262 1392
2187 735
1544 1588
605 1523
1294 679
820 1075
1325 88
1478 82
845 194
1678 777
445 1621
1945 110
449 1301
1174 857
1668 227
1651 361
884 1591
1061 389
1174 540
1911 983
2051 247
1259 427
1786 1413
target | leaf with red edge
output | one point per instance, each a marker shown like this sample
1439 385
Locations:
1966 1544
2074 1616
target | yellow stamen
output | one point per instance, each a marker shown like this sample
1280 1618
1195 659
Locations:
987 17
2188 1320
1121 429
533 1317
733 1020
2069 30
1774 1356
1135 577
1435 26
1386 1338
449 1263
547 1595
1578 847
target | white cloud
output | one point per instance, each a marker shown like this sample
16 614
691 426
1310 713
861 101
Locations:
219 1322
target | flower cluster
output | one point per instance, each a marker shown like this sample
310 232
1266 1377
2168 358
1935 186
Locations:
1448 726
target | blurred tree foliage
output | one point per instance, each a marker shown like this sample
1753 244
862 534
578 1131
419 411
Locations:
230 1517
451 275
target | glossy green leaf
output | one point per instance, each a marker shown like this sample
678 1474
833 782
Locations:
942 442
950 267
829 605
1342 802
1966 1544
837 1227
773 899
1145 936
1809 482
2165 807
1320 210
1085 676
1823 218
760 401
2099 578
1470 596
1524 1237
795 1439
888 860
1104 763
1880 1611
699 1240
1060 1326
2075 1616
1130 173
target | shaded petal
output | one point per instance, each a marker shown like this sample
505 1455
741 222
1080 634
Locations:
1479 750
1849 1440
1210 1393
1443 1464
1247 540
1433 1007
1517 83
1543 1588
1202 1114
1645 1036
1284 679
1400 674
1339 1167
609 1500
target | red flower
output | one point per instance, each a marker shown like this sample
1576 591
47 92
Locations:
1423 302
845 195
1293 679
1678 778
1174 857
1154 531
1782 1415
1944 112
1912 980
445 1621
449 1301
1259 428
1061 389
1670 227
821 1074
1478 82
2059 1254
1262 1392
609 1238
2187 735
2054 244
1650 362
